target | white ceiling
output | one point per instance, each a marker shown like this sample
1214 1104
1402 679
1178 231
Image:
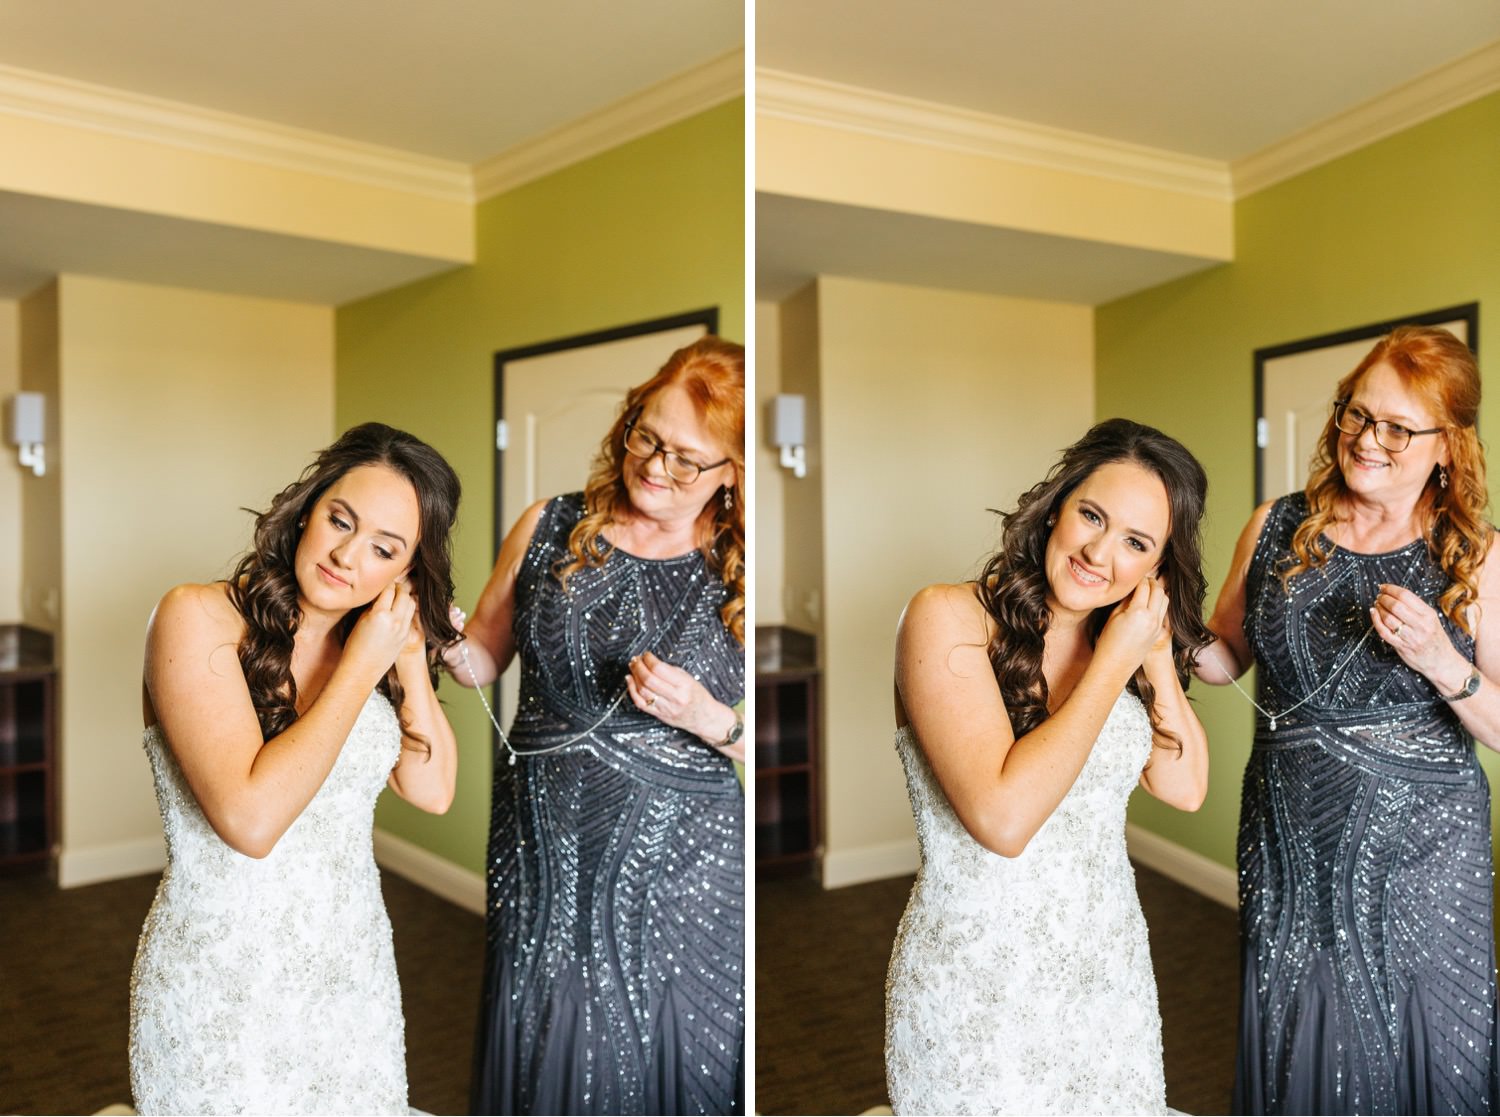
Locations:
1214 79
1220 79
453 79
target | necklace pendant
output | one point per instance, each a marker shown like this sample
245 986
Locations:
512 759
1273 730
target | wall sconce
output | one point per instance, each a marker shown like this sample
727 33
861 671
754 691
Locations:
27 429
789 432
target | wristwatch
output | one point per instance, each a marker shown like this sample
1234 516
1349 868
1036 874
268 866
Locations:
1471 685
734 734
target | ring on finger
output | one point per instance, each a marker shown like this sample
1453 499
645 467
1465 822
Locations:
650 698
1396 627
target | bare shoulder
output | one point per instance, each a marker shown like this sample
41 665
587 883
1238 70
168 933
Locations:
194 609
518 540
944 615
193 637
526 523
1255 525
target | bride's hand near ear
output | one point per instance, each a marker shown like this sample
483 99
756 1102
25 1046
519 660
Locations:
1134 628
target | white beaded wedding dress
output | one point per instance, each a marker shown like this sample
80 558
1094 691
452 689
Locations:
1024 985
269 986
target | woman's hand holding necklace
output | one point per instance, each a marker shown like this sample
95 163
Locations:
1415 632
673 696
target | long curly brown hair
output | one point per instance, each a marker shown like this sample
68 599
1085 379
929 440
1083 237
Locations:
1013 584
263 586
1441 370
712 371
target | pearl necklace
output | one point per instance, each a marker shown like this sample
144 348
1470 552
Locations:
1332 675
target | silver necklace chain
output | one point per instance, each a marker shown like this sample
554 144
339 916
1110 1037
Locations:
463 648
1332 675
514 752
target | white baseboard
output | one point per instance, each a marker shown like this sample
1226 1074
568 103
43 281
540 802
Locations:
1202 874
878 862
441 877
93 864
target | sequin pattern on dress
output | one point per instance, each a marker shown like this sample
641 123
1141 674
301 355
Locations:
614 973
1024 984
1368 969
269 985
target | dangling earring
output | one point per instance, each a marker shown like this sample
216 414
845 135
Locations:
728 498
1443 476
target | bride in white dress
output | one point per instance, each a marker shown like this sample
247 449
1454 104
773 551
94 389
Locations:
1029 705
277 705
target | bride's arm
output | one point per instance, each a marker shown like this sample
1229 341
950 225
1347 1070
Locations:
427 770
1177 772
1003 788
250 789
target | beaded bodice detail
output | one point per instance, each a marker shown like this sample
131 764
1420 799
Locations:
575 648
1301 633
269 985
1087 826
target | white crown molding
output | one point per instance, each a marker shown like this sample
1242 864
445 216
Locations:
655 107
137 116
1466 79
831 104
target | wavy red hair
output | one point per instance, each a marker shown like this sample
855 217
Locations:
712 371
1441 370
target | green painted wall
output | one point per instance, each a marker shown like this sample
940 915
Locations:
1405 225
651 228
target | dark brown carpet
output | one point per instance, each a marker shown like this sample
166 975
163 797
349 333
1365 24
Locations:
820 993
65 961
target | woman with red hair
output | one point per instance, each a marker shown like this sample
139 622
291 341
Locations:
614 972
1367 603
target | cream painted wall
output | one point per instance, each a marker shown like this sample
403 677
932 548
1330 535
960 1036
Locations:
10 469
41 497
770 478
176 408
935 407
802 501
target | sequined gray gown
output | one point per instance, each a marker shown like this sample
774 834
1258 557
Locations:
614 970
1368 961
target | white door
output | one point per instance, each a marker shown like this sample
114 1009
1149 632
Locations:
1297 395
558 406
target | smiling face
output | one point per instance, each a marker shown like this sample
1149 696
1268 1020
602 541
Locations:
672 421
1369 469
361 535
1110 534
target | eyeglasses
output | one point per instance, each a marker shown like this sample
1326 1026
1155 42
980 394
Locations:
1392 437
684 471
